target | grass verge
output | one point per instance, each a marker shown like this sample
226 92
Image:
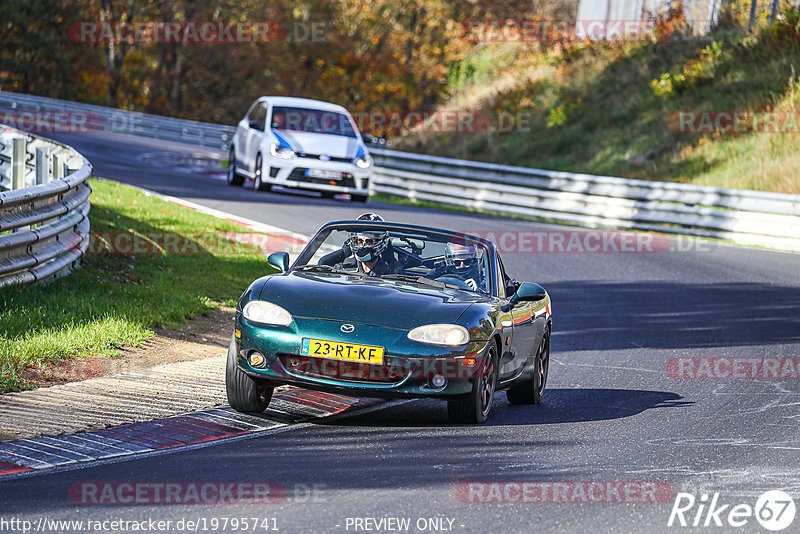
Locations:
616 108
116 299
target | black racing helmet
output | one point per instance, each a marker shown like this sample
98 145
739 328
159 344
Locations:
370 217
368 245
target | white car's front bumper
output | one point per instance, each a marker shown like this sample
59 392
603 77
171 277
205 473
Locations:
292 173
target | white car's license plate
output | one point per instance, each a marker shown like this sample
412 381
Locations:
323 173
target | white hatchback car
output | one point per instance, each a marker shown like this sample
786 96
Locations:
300 143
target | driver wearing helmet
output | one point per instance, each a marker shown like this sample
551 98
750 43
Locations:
461 261
368 249
370 217
371 250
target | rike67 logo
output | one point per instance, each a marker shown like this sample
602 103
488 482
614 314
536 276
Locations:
774 510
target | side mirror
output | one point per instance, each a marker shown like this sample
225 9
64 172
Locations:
279 260
528 292
511 288
256 125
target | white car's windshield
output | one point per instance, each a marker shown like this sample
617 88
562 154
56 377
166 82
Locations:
312 121
400 254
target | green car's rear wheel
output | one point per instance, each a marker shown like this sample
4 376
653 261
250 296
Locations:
245 394
475 408
532 391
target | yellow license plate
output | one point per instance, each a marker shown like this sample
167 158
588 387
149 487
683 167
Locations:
350 352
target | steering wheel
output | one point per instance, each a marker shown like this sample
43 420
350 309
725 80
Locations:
453 281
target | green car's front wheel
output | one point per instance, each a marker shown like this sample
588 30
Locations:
532 391
245 394
475 408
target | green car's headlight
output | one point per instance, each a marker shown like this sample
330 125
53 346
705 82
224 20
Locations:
440 334
260 311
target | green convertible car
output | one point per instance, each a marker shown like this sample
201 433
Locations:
390 310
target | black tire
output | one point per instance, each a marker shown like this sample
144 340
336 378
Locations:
358 198
532 391
258 184
475 408
234 178
245 394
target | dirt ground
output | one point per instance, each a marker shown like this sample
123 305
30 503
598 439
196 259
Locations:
199 338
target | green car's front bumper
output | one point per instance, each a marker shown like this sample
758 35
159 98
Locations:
407 371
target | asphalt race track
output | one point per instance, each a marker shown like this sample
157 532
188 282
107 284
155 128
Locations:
620 406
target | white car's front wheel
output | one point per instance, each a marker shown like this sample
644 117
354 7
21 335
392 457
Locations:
258 183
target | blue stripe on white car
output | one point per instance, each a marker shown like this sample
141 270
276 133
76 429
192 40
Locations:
282 141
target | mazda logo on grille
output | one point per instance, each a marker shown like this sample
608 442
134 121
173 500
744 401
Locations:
324 157
347 328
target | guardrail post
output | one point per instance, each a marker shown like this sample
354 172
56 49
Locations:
59 167
42 166
18 156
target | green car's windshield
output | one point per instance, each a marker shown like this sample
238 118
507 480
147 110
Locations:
398 254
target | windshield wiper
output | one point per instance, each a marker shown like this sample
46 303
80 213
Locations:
418 279
327 268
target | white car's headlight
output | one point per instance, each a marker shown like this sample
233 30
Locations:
440 334
261 311
281 151
364 163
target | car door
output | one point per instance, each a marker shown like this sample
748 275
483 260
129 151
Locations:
508 352
240 138
524 326
253 133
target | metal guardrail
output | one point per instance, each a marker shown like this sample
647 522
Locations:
44 223
745 217
21 110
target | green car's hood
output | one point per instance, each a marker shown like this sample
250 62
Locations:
372 301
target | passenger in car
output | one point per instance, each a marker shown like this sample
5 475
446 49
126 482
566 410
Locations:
461 262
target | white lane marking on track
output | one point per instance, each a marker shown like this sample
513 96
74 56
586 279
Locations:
573 364
250 223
